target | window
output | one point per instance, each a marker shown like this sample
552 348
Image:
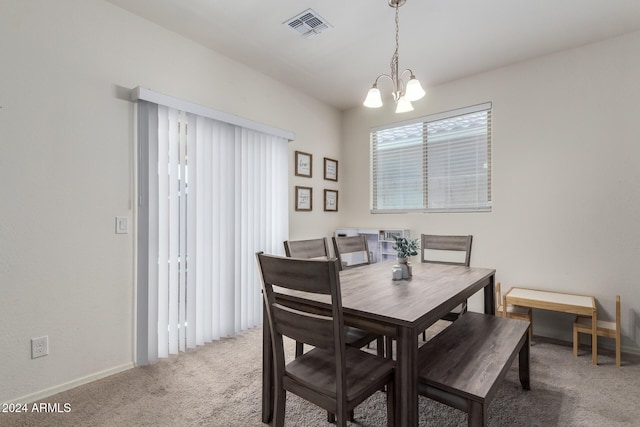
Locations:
438 163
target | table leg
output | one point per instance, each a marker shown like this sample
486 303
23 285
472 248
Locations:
594 337
407 378
267 371
490 296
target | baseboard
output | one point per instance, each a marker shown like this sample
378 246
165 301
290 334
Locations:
626 353
42 394
565 336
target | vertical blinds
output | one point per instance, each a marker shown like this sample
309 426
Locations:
216 194
438 163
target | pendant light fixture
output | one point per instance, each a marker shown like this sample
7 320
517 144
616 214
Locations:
402 93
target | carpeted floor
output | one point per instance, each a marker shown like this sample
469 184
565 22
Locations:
219 385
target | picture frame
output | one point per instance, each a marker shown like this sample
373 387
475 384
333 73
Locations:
330 169
304 198
304 164
331 200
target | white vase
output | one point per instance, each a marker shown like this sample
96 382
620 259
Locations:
405 267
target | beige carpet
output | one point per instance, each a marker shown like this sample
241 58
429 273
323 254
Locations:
219 385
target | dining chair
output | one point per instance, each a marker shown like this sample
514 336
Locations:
513 311
452 250
356 246
319 249
607 329
332 375
312 248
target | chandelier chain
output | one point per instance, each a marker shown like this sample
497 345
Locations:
403 93
397 30
395 59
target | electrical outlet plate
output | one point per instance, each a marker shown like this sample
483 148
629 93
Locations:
122 225
39 347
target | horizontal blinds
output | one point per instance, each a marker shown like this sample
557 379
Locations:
398 167
440 163
458 163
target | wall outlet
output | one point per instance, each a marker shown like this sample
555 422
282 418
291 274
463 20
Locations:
39 347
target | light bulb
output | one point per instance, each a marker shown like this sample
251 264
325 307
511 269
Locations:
404 105
373 100
414 89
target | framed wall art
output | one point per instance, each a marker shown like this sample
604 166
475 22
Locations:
303 164
304 198
331 200
330 169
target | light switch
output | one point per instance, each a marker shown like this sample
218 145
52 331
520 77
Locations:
122 225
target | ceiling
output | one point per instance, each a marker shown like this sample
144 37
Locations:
440 40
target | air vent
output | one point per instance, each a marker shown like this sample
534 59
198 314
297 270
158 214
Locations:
308 24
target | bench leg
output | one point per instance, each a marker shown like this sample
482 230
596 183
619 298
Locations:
477 416
523 364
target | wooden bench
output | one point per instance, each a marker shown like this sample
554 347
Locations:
463 365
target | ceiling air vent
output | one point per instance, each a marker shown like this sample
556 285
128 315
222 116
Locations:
308 23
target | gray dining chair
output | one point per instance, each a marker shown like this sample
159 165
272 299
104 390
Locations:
312 248
319 249
352 245
435 249
332 375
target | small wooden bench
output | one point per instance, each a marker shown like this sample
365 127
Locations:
463 365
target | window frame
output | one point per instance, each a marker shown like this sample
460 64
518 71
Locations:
424 121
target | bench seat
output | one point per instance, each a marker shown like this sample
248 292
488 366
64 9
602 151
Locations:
463 365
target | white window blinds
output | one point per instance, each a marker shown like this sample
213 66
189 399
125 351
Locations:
212 195
437 163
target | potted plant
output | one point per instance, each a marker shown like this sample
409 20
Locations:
405 248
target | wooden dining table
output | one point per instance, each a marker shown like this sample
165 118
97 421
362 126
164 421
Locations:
402 309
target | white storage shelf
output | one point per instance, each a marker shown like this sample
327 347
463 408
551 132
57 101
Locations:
380 243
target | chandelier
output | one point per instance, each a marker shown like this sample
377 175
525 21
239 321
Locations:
402 94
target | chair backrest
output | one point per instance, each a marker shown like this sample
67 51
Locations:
313 248
446 243
351 245
323 331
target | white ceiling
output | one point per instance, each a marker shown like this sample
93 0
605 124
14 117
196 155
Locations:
440 40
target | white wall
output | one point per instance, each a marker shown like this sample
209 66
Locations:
66 167
322 141
67 161
566 193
